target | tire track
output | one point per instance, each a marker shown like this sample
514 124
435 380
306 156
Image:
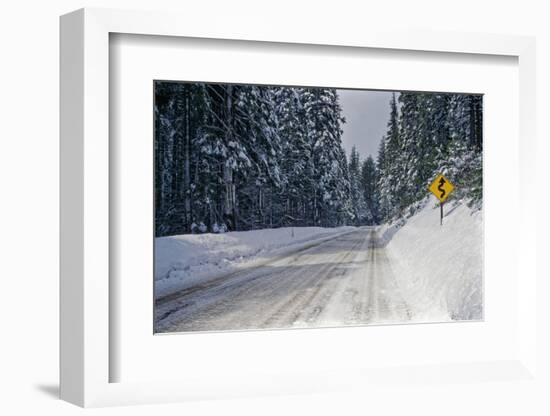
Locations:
343 281
289 311
170 308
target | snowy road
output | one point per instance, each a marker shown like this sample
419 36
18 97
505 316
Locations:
346 280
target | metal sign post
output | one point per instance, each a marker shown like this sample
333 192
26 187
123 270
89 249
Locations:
441 188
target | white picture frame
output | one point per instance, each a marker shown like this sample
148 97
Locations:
86 356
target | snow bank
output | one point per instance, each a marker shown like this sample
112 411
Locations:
184 260
439 268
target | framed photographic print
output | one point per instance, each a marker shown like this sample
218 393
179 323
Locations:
290 207
251 214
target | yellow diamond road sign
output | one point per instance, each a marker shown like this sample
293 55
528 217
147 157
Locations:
441 188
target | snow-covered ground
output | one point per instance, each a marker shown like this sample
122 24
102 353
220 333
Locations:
439 268
411 271
185 260
340 281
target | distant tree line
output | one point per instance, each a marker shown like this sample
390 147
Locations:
241 157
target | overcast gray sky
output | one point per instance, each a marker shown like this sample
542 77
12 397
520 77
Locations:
367 114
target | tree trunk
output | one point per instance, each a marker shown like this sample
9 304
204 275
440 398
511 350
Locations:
187 165
472 127
479 124
230 212
228 193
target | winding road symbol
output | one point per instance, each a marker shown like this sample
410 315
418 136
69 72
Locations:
441 188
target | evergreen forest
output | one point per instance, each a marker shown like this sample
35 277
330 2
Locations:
231 157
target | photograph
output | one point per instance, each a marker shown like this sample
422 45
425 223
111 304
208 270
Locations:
284 207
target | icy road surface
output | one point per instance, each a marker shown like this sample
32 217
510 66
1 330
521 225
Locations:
346 280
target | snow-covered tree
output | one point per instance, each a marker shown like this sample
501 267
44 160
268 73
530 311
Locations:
369 185
357 192
389 154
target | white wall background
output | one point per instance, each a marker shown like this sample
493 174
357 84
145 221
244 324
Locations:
29 204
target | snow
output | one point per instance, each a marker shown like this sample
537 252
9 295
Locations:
182 261
439 268
413 270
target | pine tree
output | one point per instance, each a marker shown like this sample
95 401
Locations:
370 195
328 182
296 155
259 136
390 153
358 203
